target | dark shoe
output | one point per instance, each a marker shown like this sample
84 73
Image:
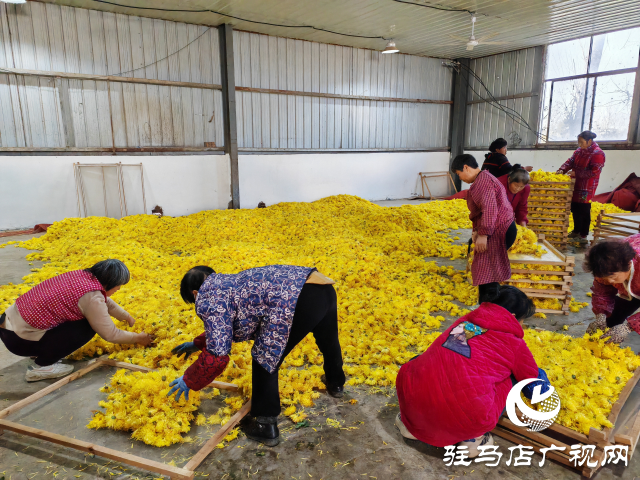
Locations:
574 234
334 391
261 429
582 240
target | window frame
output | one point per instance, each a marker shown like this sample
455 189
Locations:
633 133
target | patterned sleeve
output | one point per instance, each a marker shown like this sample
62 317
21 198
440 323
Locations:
204 370
568 165
595 166
603 298
218 313
484 196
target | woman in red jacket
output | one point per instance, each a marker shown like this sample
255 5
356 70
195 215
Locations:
456 391
517 187
615 265
586 165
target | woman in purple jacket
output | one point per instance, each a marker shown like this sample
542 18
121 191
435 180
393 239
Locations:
276 307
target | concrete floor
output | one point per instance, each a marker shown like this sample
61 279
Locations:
367 446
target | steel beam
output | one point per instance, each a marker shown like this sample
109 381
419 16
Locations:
229 108
459 115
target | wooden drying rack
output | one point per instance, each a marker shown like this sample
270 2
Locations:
562 436
552 257
555 206
619 225
178 473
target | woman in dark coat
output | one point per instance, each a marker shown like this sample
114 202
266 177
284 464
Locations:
496 161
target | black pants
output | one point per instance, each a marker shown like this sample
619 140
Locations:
316 312
581 217
54 345
489 291
622 310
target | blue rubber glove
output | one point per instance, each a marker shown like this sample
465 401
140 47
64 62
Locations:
542 380
185 349
179 386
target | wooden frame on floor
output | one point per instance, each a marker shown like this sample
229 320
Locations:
178 473
561 436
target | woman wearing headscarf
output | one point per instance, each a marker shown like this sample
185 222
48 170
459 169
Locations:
276 307
58 316
496 161
615 301
586 165
516 184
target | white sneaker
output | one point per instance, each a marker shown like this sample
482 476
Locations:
56 370
403 430
474 443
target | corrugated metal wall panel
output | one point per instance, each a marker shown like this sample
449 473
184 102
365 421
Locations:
38 36
276 121
504 75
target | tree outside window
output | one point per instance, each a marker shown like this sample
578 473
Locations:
589 85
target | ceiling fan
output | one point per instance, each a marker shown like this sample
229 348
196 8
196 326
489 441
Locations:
472 41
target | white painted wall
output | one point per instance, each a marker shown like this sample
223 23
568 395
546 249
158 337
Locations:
42 189
618 165
309 177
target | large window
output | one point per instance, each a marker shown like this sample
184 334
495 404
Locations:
589 85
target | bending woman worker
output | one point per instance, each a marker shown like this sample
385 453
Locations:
517 187
276 306
63 313
494 228
615 301
586 163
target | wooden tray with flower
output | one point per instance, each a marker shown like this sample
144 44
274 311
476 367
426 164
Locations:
187 472
625 431
550 275
550 210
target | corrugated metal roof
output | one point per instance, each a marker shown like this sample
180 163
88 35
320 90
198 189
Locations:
417 30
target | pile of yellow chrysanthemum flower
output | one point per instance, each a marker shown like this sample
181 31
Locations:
587 374
387 293
138 402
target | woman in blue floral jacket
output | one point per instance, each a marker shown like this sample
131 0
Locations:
276 306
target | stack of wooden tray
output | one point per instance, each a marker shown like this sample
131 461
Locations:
619 225
552 257
550 202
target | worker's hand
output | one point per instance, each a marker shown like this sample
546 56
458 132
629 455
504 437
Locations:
523 224
481 243
617 334
130 320
599 324
559 172
474 235
529 168
145 339
179 386
572 174
185 349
